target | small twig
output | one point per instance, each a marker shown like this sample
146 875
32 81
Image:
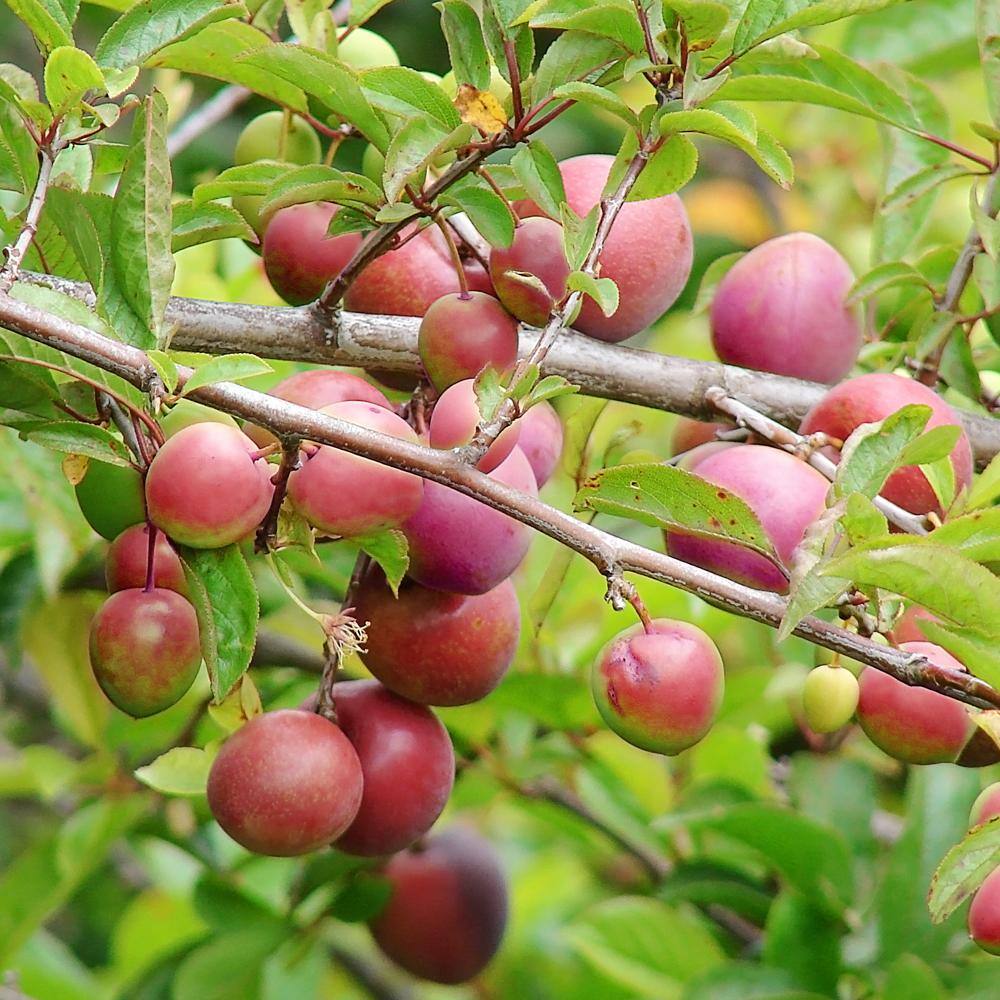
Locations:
514 72
267 533
955 148
368 976
456 260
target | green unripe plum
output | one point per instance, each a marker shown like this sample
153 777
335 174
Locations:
870 398
437 648
454 421
111 498
537 249
373 167
205 487
267 138
659 688
128 559
447 913
984 914
144 649
986 806
186 412
461 334
286 783
347 495
363 49
829 698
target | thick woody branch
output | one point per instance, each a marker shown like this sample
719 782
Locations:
389 343
612 556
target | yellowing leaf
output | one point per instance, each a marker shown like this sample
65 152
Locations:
480 108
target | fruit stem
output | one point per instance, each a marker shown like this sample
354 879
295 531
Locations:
463 280
151 530
640 608
265 452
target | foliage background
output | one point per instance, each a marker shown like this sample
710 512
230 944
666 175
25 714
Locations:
109 890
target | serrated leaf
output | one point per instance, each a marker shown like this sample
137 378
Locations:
986 225
69 74
615 20
598 97
405 92
487 211
574 55
894 274
413 147
667 170
249 178
18 152
602 290
931 446
222 590
179 771
550 387
579 234
390 550
963 869
226 368
976 535
862 520
76 438
153 24
466 45
318 182
916 185
973 648
536 168
665 496
703 21
490 393
46 20
196 224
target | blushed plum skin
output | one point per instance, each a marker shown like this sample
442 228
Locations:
454 421
648 253
299 257
344 494
984 914
986 806
111 498
128 557
459 544
786 495
287 783
407 763
537 249
460 335
541 440
204 489
870 398
690 460
448 910
782 309
660 689
907 628
144 649
437 648
406 281
688 434
478 278
914 724
317 388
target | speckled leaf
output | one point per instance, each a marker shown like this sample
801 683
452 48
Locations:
963 869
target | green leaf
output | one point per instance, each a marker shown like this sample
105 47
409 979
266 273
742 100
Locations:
226 368
165 368
557 701
487 211
703 20
602 290
362 898
574 55
598 97
711 279
972 648
986 486
975 535
224 595
466 45
615 20
667 170
963 869
69 74
939 578
988 33
46 20
195 224
665 496
218 51
390 550
76 438
764 19
413 148
894 274
914 186
402 91
249 178
644 946
141 222
153 24
362 10
490 393
550 387
318 182
179 771
579 234
27 393
987 226
874 451
932 446
808 594
862 520
327 79
229 966
536 169
18 152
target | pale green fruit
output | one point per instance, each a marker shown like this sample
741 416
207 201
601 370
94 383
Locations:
829 698
363 49
264 139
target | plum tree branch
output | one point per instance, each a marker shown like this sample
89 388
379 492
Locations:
612 556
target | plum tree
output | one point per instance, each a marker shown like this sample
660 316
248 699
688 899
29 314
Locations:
537 250
461 334
437 648
316 388
914 724
659 687
541 440
344 494
125 567
144 649
829 697
782 308
111 498
287 783
986 806
186 412
447 913
786 495
648 252
363 49
459 544
873 397
454 421
299 257
407 764
205 487
984 914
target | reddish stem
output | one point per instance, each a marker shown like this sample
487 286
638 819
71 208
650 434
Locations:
150 558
